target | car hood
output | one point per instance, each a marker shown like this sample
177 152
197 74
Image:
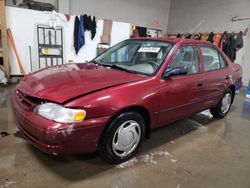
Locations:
62 83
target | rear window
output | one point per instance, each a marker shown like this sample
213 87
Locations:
212 59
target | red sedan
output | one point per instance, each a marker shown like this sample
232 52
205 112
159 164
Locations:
112 103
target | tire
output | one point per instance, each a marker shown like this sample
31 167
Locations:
111 147
221 111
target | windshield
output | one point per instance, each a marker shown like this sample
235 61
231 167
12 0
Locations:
137 56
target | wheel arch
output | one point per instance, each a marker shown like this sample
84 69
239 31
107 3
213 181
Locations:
136 108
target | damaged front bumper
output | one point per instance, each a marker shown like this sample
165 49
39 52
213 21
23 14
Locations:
58 138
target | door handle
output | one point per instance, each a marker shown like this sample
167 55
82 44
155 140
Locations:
199 84
227 77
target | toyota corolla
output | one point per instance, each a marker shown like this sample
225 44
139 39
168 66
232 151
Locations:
113 102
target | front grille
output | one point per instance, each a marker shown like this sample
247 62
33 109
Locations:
26 101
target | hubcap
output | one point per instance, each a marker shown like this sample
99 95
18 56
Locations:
126 138
226 102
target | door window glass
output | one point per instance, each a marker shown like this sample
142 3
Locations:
187 57
223 64
212 59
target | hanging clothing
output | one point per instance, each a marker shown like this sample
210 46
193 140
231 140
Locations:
76 31
223 40
239 41
85 16
211 37
178 35
142 31
135 33
93 28
81 38
204 37
88 22
197 36
68 17
90 25
188 36
217 38
56 19
83 23
230 48
106 34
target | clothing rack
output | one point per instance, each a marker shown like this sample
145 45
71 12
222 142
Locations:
235 19
207 33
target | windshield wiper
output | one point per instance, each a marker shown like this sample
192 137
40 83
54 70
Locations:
118 67
95 62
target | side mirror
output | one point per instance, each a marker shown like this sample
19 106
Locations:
174 72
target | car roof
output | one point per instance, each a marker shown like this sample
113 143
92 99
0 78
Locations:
173 40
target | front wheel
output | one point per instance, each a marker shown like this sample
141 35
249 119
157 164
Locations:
223 106
122 138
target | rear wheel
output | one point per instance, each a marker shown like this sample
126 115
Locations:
122 138
223 106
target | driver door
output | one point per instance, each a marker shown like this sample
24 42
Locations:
181 94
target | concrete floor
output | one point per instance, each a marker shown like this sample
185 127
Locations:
196 152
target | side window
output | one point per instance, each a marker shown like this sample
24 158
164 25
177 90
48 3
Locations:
187 57
223 64
212 59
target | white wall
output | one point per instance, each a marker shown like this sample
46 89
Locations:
138 12
17 18
185 15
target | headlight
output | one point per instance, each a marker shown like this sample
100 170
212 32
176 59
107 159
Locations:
59 113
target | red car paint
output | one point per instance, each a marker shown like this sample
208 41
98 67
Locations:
104 92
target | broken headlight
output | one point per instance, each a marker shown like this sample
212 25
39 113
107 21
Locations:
59 113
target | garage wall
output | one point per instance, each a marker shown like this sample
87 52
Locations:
185 15
138 12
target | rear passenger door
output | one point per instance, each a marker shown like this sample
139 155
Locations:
215 75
